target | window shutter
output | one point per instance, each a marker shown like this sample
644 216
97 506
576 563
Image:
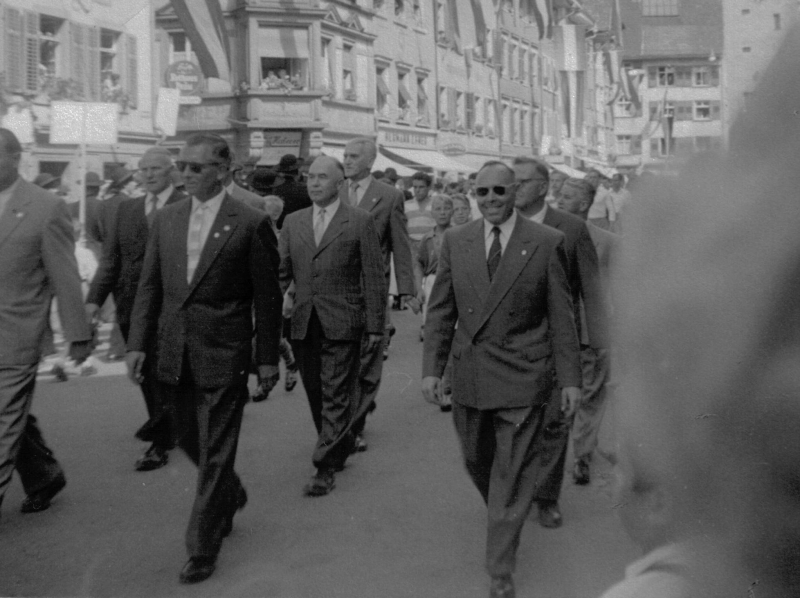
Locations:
78 57
132 74
470 106
452 107
684 111
653 110
93 77
31 51
654 147
652 76
498 48
14 48
683 77
716 107
636 144
714 76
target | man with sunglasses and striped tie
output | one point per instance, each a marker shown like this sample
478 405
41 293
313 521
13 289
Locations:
502 279
211 263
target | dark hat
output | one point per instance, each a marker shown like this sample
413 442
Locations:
390 174
119 176
46 180
288 164
93 180
262 180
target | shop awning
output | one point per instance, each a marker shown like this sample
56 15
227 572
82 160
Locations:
383 88
425 159
283 42
381 162
569 171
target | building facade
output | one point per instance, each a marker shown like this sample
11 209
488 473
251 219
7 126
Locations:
91 51
674 50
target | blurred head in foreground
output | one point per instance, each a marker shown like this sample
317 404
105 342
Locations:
709 286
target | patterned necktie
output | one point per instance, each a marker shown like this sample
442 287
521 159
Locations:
319 226
152 207
194 245
353 194
495 253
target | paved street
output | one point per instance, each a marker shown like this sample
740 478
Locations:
403 521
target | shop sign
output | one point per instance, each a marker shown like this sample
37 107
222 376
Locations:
279 143
391 137
184 76
454 149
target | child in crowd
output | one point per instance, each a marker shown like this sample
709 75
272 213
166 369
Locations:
428 261
462 211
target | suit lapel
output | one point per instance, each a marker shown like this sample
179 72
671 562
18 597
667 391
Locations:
179 231
519 251
475 246
550 221
335 228
370 198
14 212
221 230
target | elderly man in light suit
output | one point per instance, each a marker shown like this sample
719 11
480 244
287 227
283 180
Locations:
37 260
387 207
332 254
502 280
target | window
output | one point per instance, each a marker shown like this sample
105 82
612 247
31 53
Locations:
623 108
382 92
746 49
624 145
666 76
51 47
417 5
777 19
444 109
398 7
461 111
480 115
660 8
491 118
701 77
180 48
404 99
702 110
441 21
506 119
422 102
745 11
283 53
522 73
326 78
348 73
511 63
669 110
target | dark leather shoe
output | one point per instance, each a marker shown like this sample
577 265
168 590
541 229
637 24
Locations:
502 587
40 501
145 433
581 473
197 569
241 501
550 514
291 380
153 458
359 444
323 482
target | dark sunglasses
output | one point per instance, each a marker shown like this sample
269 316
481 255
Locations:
195 167
499 190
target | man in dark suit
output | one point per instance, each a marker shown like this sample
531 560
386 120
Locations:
590 319
387 206
211 263
576 199
502 280
247 197
332 253
37 260
293 193
119 273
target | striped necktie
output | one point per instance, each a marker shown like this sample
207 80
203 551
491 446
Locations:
319 226
495 253
194 245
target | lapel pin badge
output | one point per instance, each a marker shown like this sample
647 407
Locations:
524 252
20 214
226 228
216 235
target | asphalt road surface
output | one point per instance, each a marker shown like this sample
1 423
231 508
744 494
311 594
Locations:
403 522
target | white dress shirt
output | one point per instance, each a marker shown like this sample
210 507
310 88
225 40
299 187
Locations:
330 211
360 188
538 217
505 232
212 208
160 202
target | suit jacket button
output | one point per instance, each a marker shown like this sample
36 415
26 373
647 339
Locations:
470 310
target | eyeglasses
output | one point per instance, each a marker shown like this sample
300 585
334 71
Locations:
498 190
195 167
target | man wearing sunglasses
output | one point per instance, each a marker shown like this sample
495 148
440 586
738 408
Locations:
502 279
590 315
211 263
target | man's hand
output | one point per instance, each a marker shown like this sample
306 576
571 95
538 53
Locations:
288 304
570 400
431 389
80 350
268 376
373 340
134 360
92 309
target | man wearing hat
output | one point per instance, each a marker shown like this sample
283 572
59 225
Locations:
45 180
293 193
119 273
247 197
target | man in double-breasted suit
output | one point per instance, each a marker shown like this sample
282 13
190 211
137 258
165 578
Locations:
37 261
332 253
211 263
590 318
119 272
387 207
502 280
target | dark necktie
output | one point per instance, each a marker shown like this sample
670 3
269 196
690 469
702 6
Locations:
495 253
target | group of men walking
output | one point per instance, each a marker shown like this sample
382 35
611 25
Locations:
518 304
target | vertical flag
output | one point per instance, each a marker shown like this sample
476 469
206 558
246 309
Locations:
543 13
204 25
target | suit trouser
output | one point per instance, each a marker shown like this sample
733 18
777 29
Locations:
593 402
21 444
551 450
159 422
498 447
329 369
207 423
